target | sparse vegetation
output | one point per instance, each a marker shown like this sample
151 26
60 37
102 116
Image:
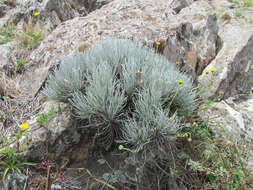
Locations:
222 160
42 119
21 63
238 14
27 37
243 3
30 36
11 153
7 32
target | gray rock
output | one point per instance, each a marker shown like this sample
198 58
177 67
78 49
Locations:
63 9
6 52
234 61
231 119
194 49
56 137
178 5
3 9
16 181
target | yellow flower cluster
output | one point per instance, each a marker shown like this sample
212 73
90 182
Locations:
24 126
10 22
212 69
158 43
180 81
36 13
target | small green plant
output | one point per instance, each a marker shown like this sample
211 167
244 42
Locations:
238 14
8 1
12 161
30 36
243 3
11 157
7 32
207 104
21 63
42 119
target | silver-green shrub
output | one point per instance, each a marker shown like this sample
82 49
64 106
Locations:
119 85
70 77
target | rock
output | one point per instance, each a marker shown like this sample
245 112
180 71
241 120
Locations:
178 5
231 118
91 5
12 14
55 136
195 42
58 138
63 9
3 8
6 50
194 49
234 61
16 181
53 12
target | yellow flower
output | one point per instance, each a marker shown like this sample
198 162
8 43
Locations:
180 81
121 147
36 13
212 69
24 126
178 63
10 21
158 43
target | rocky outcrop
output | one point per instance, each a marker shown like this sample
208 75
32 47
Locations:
231 117
194 37
234 61
181 39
